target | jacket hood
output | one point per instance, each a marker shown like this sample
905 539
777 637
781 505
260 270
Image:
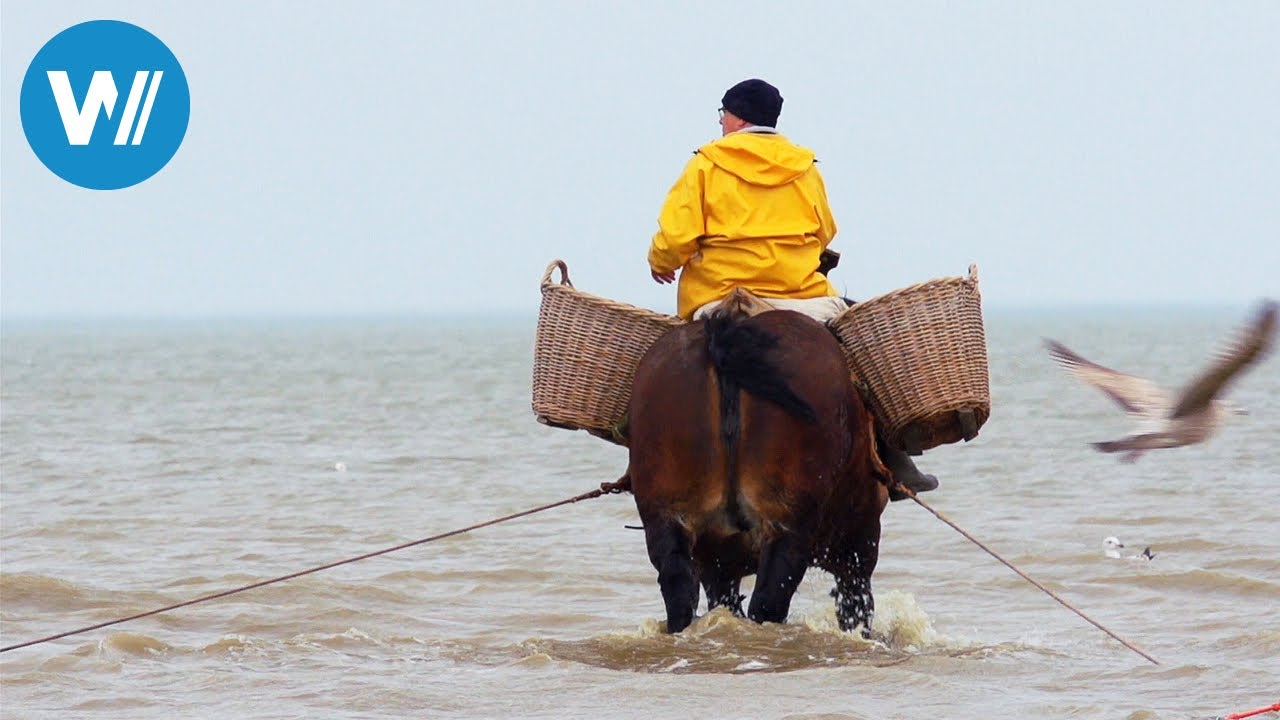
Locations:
759 158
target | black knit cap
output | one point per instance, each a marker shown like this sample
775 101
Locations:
755 101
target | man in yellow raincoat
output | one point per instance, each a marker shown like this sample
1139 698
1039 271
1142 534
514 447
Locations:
750 210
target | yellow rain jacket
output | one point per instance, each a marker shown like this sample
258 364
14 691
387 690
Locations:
750 209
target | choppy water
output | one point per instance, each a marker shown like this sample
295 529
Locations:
146 464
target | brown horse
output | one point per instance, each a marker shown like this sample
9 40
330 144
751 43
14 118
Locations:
751 452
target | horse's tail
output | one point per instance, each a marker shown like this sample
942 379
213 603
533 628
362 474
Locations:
740 355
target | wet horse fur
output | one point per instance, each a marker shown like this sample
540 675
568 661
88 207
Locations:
751 453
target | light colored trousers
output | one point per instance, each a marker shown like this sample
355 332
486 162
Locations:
821 309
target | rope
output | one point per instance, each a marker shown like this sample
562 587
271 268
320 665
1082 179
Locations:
911 494
620 486
1251 713
610 488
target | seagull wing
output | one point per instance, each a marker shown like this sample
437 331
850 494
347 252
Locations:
1247 347
1137 396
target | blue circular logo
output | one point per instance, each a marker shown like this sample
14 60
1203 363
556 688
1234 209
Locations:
105 105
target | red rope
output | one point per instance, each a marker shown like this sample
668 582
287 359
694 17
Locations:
1251 713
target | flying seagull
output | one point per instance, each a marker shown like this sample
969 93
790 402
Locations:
1168 420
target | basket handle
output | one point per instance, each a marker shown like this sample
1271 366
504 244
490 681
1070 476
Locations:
973 273
564 273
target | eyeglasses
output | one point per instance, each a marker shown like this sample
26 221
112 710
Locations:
721 111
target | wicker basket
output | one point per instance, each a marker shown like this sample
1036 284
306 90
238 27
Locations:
921 355
585 356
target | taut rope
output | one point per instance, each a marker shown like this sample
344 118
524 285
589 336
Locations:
911 494
605 488
1251 713
620 486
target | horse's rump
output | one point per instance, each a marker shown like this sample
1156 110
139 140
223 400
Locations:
743 425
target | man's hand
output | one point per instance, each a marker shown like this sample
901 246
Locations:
663 278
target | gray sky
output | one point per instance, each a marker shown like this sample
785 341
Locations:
352 157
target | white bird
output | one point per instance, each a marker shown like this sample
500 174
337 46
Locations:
1113 547
1167 420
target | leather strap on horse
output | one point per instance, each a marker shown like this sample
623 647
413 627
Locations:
622 485
911 494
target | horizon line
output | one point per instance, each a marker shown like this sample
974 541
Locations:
514 313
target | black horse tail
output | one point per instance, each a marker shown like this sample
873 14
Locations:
740 354
742 361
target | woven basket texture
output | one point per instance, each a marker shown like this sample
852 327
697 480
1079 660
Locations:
586 352
921 355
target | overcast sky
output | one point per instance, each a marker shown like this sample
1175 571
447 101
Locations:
370 157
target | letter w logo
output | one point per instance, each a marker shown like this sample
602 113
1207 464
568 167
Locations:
102 94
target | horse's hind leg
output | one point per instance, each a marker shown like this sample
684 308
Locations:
721 587
855 605
669 552
783 563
